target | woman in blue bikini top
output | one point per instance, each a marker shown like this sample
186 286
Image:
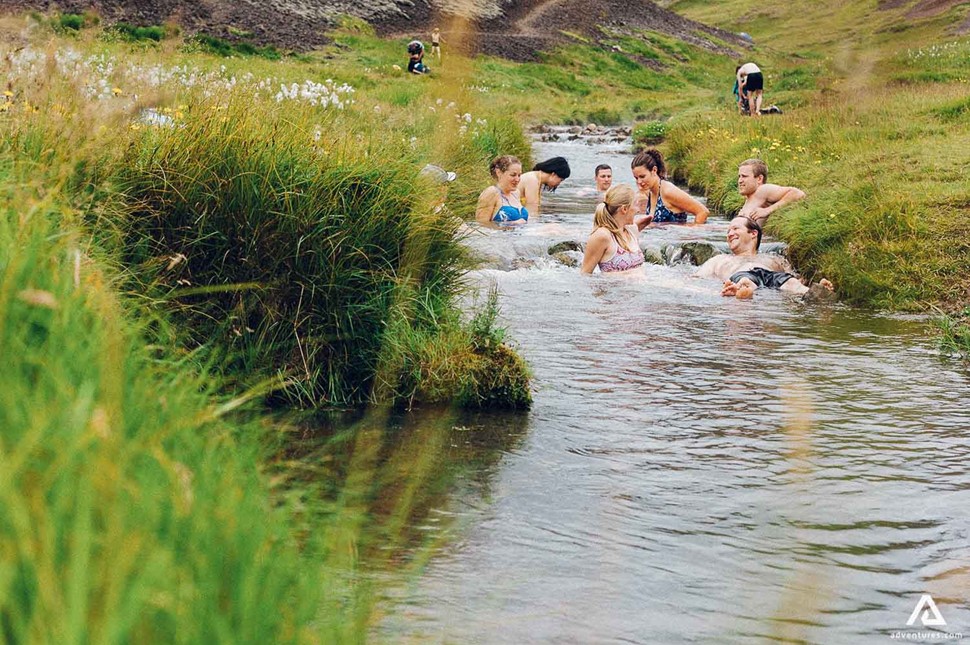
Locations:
665 203
499 204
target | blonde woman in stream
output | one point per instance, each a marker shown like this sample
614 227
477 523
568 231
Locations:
614 244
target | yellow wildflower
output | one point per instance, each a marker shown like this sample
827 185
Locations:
117 91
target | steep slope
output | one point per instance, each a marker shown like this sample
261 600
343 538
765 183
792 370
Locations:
515 29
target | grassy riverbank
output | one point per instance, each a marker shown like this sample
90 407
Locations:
876 131
181 241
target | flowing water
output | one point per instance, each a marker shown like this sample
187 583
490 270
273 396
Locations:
695 468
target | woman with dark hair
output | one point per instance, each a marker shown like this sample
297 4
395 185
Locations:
545 175
499 203
663 202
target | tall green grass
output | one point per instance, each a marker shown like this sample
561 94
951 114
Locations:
155 284
291 249
132 510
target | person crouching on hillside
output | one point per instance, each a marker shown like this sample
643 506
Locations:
416 63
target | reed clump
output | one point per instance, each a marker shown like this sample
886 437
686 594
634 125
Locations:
133 510
287 246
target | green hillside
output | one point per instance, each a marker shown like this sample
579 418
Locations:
876 130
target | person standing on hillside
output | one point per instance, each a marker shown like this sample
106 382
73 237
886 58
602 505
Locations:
436 43
751 83
761 199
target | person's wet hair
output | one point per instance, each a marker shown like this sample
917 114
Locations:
602 166
758 168
502 164
751 225
650 159
557 165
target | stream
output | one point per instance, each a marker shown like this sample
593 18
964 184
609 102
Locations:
694 469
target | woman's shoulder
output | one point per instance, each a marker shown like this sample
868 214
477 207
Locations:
490 192
600 234
667 187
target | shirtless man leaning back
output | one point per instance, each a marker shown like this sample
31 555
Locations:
761 199
745 270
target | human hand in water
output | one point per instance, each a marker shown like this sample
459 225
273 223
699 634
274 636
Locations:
643 221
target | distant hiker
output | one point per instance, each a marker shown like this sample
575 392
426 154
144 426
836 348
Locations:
751 84
662 202
742 100
761 199
436 43
739 98
545 175
614 245
500 204
745 270
604 178
415 63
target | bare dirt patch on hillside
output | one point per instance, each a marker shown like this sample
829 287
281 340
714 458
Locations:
515 29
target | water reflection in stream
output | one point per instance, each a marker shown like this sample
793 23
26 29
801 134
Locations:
695 468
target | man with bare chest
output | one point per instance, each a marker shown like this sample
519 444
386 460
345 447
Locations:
745 270
761 199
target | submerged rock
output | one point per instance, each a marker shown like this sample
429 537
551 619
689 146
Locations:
524 263
652 256
697 253
778 248
566 258
566 245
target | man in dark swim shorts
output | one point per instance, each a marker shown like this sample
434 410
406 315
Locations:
745 270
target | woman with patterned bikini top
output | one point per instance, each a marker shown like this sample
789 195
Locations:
665 203
613 245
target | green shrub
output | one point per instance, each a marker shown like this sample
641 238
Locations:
954 110
69 22
955 334
649 133
293 259
224 48
135 34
